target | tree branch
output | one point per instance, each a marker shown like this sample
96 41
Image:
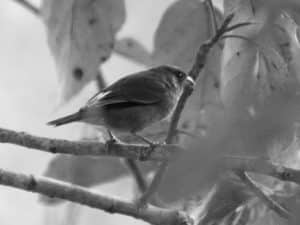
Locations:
80 195
260 194
261 166
137 152
137 174
141 152
187 91
27 5
86 197
213 16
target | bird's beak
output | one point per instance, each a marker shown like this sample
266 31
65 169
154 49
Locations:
190 80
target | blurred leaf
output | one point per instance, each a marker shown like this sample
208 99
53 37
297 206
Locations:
254 115
183 27
85 171
242 217
134 50
222 200
81 36
261 214
291 26
88 171
275 6
258 87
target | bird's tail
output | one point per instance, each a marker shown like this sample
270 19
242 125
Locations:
67 119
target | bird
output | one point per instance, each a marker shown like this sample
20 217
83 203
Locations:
132 103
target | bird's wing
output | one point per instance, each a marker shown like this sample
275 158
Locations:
136 88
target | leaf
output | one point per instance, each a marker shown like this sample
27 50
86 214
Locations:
81 36
85 171
222 200
263 70
252 117
134 50
275 6
291 27
183 27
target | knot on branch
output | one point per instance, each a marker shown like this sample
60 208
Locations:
31 185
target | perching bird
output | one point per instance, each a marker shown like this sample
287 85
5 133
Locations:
133 102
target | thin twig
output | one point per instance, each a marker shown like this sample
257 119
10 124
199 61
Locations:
239 25
77 194
242 217
30 7
154 184
260 194
137 174
193 74
187 91
213 16
131 151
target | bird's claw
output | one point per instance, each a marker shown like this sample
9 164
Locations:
111 142
144 155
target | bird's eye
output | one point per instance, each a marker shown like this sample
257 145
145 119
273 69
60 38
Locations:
181 75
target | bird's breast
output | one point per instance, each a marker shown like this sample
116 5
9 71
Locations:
133 117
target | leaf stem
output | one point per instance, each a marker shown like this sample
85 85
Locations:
30 7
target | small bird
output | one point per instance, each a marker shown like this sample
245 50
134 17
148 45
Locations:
133 102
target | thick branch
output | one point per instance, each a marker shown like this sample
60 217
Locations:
86 197
27 5
141 152
137 152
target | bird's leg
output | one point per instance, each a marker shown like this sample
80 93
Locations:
112 139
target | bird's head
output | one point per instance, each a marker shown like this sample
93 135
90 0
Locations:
171 75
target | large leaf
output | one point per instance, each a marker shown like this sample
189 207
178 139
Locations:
184 26
256 112
134 50
258 89
85 171
81 36
259 93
